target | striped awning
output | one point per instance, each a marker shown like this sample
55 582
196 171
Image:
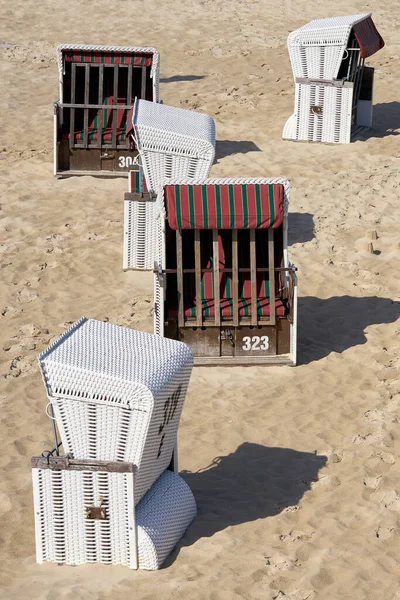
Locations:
368 37
219 206
137 182
142 59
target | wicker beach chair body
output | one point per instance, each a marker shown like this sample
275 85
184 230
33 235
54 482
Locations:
85 513
218 242
333 85
172 143
92 118
117 395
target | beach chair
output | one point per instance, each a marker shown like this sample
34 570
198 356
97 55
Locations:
86 512
98 85
117 395
223 282
333 85
172 143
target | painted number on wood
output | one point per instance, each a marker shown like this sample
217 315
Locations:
169 410
126 161
255 343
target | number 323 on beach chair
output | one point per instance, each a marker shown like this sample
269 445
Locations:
223 281
93 117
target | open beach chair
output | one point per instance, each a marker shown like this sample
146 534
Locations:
114 497
333 85
98 86
223 281
172 143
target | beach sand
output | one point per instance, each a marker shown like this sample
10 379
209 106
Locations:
295 470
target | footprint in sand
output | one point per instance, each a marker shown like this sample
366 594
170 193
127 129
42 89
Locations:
296 536
279 563
384 533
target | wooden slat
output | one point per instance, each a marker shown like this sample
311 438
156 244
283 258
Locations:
253 276
129 100
179 278
86 110
120 106
271 264
100 100
72 110
143 86
217 300
115 111
235 277
197 264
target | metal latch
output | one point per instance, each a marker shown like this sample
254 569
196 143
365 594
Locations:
106 155
316 110
97 512
227 335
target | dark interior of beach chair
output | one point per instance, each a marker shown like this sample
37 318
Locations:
364 40
228 294
99 90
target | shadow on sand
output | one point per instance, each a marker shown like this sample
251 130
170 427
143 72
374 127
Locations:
385 121
229 147
175 78
338 323
301 228
254 482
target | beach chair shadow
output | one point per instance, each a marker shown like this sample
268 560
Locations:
254 482
301 228
338 323
385 121
176 78
228 147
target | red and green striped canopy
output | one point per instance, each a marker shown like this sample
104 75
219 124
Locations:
368 37
225 206
108 57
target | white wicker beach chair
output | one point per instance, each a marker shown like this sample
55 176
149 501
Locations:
172 142
333 86
218 241
117 395
85 513
92 118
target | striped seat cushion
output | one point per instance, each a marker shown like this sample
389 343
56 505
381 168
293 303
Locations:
216 206
142 59
368 37
123 127
226 293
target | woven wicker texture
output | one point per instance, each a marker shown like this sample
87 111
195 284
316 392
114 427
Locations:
117 394
65 535
172 142
316 50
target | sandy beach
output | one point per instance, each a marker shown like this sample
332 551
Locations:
295 470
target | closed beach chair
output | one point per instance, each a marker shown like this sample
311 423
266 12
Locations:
117 395
172 143
92 118
333 85
223 281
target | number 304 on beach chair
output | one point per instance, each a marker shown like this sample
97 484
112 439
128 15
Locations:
223 280
93 117
333 85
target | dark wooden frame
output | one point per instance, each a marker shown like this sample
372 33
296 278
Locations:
210 332
96 157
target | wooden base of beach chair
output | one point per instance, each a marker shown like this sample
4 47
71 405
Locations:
114 162
243 345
